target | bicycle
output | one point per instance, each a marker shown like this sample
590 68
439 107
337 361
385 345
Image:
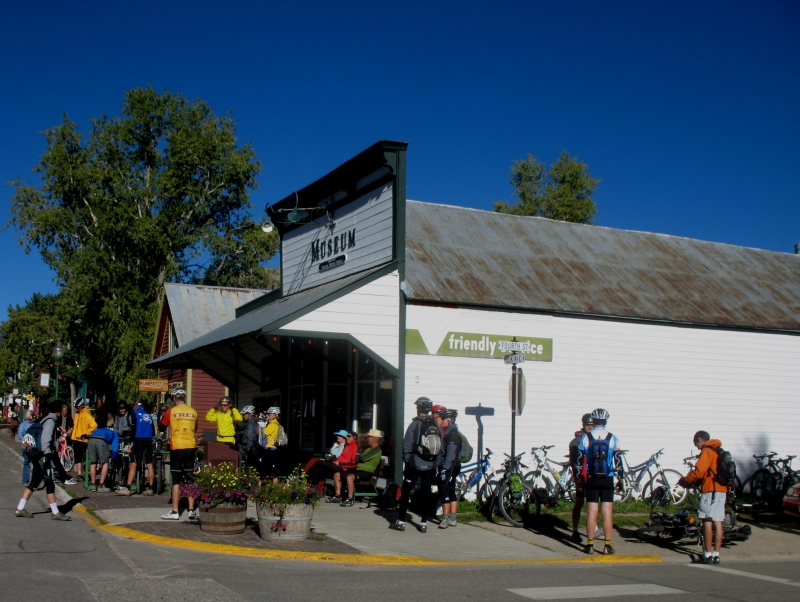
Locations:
478 475
631 477
553 478
772 481
66 454
514 499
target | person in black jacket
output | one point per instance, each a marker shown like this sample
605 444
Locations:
450 467
248 438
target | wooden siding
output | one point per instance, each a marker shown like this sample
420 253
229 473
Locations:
370 215
660 383
205 394
371 314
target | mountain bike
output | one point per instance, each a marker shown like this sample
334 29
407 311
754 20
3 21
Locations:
771 482
514 499
553 480
477 475
630 479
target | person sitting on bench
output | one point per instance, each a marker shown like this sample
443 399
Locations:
369 460
319 470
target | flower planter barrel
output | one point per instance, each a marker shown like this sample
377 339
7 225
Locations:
296 519
222 520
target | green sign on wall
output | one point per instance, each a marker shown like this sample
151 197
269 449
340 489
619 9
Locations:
467 344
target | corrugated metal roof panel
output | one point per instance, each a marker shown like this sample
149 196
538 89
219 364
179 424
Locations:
472 257
197 310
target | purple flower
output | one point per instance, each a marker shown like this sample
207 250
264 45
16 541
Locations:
294 494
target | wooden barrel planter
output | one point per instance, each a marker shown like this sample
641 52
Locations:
294 525
222 520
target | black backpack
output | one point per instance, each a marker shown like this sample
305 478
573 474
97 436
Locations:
387 499
726 468
429 443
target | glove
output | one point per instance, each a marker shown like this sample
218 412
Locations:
682 482
434 489
443 476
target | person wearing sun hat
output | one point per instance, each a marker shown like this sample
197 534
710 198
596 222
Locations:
368 463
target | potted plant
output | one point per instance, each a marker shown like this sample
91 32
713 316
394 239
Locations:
221 493
285 509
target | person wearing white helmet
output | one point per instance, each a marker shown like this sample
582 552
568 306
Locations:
82 428
182 422
272 433
248 438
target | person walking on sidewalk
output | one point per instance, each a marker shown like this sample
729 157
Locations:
422 450
226 417
578 474
712 497
83 426
182 422
141 433
41 466
450 468
23 428
103 448
599 446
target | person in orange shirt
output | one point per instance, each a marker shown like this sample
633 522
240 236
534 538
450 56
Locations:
182 421
712 498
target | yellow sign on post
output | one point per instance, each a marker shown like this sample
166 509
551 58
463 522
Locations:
153 385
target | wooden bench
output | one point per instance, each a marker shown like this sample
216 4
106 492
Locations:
370 489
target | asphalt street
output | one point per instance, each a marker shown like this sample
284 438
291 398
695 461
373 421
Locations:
44 559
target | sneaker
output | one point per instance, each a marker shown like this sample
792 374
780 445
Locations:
60 516
452 522
715 560
192 514
148 491
171 516
103 489
123 491
576 537
347 503
423 528
70 482
443 524
702 559
22 513
588 549
398 526
608 550
333 499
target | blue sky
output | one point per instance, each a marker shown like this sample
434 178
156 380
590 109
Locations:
687 111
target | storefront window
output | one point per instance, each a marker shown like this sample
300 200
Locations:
373 401
300 425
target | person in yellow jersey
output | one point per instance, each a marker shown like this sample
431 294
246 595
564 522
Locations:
182 421
83 426
226 417
271 432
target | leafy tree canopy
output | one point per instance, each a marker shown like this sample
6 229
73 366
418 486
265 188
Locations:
160 193
563 193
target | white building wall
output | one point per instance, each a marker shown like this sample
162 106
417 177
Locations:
370 314
660 383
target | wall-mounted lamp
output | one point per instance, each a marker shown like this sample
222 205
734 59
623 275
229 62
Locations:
267 227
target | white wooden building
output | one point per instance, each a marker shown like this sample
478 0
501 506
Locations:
385 300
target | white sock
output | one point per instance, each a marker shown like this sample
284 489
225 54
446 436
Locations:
715 554
21 505
707 554
54 508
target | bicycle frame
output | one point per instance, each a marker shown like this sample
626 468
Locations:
640 470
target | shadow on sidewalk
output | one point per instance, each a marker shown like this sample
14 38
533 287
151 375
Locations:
70 505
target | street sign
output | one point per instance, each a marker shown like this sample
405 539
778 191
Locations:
514 358
44 380
154 385
520 392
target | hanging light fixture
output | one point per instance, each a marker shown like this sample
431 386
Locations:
295 215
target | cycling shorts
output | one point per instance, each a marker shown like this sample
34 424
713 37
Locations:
181 465
142 451
599 489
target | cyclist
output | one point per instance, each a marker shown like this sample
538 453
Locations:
436 412
41 466
271 432
450 468
103 448
123 423
142 433
420 462
65 422
574 454
226 417
84 425
598 446
182 422
713 495
248 443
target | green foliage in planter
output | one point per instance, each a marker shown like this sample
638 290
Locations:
222 484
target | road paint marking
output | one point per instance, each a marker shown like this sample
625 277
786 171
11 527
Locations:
717 568
594 591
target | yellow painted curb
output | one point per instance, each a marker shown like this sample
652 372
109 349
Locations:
363 559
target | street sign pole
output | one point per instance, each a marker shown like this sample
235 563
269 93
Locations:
513 409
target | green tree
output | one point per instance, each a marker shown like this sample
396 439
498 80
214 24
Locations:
159 193
563 193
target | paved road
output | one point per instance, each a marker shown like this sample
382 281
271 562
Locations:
43 559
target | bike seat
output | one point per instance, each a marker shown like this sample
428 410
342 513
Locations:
622 451
790 457
548 446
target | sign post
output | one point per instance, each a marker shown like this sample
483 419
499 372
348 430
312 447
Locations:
516 409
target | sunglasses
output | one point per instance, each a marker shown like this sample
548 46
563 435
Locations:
350 437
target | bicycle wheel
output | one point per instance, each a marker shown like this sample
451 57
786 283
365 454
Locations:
159 476
622 490
519 508
758 483
569 489
668 479
774 490
68 459
486 496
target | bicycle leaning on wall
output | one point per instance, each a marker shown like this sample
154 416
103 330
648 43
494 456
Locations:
646 478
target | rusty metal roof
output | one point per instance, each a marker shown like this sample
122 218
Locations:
197 310
472 257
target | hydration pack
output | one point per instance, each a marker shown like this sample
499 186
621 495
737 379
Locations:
466 449
32 441
597 456
726 468
283 438
429 444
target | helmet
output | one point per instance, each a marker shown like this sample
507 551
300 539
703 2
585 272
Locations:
450 415
424 404
225 398
600 414
249 410
274 410
178 393
79 402
438 408
587 419
138 402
